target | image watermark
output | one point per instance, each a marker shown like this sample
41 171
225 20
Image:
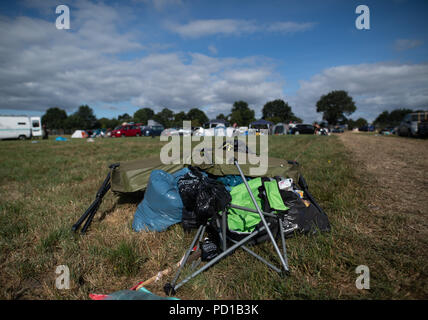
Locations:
63 20
363 280
63 280
363 20
217 149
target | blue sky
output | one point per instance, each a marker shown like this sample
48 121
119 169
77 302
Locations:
119 56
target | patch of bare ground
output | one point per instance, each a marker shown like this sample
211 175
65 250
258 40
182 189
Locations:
394 172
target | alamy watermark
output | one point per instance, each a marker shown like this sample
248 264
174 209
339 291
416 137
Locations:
63 280
363 20
63 20
217 149
363 280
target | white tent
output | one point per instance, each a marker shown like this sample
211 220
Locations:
79 134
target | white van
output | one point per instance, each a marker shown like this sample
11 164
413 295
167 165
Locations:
20 127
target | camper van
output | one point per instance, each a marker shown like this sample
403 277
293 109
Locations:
20 127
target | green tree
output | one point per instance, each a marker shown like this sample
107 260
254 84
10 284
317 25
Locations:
221 116
54 118
143 115
165 117
106 123
241 114
278 111
392 118
124 118
83 118
335 105
179 118
197 116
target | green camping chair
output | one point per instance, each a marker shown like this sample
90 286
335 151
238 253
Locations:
243 220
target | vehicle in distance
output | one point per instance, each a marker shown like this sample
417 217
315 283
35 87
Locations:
129 130
414 124
155 130
302 129
20 127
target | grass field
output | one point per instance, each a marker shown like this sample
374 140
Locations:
46 186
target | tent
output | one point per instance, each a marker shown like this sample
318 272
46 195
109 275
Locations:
280 128
79 134
215 123
261 124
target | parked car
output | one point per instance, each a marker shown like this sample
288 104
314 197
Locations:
185 132
153 130
129 130
338 130
414 124
302 129
387 131
366 128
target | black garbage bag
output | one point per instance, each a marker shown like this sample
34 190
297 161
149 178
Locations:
202 197
302 218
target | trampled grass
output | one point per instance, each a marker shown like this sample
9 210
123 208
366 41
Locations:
46 186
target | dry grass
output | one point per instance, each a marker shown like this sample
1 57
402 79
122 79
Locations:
45 187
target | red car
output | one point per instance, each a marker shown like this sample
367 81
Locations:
129 130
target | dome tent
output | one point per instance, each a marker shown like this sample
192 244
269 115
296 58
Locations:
79 134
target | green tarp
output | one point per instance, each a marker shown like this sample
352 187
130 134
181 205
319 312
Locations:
132 176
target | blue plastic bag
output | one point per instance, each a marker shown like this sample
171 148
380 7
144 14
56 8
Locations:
162 205
230 181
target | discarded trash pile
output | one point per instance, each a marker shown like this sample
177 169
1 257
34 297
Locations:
229 207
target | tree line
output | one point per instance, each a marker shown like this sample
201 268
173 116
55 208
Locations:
241 114
336 107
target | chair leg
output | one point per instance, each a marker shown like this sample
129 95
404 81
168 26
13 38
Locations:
200 231
171 288
284 247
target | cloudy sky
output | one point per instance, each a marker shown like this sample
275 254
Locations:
119 56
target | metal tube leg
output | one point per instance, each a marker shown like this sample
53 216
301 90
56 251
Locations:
219 257
284 248
255 255
224 221
201 228
262 217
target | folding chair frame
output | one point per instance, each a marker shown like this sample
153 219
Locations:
171 288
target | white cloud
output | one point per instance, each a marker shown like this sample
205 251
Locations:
42 67
199 28
375 87
209 27
213 49
406 44
289 26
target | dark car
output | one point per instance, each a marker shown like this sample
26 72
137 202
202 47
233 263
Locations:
414 124
367 128
302 129
338 130
152 130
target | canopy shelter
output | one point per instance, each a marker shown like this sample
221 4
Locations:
261 124
214 123
280 128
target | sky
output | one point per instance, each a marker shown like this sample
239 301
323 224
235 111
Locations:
119 56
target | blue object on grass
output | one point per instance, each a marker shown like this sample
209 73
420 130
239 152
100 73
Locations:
61 139
141 294
162 206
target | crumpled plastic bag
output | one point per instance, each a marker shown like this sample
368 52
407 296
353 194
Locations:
202 195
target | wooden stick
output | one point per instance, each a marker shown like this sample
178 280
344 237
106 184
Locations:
193 256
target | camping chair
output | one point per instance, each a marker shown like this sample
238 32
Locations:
220 224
